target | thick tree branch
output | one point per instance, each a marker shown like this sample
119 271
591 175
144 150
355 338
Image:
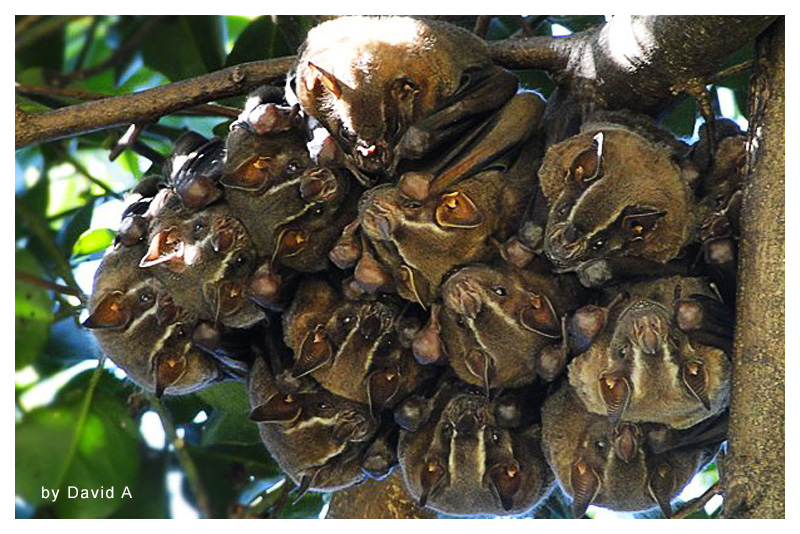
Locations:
755 477
146 106
639 63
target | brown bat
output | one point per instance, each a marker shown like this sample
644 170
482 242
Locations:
596 463
352 348
464 454
320 440
617 197
500 326
139 326
205 257
652 355
369 80
428 223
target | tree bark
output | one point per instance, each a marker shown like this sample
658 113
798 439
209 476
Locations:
146 106
384 499
754 474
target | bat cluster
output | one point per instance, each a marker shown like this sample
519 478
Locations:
406 277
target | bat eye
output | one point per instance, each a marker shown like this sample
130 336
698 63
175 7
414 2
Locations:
495 437
411 204
292 167
601 445
347 319
199 231
622 353
599 244
500 291
145 297
322 405
319 211
460 322
180 331
348 135
563 209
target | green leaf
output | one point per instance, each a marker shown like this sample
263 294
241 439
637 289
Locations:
680 120
33 312
93 241
226 471
74 226
228 422
150 499
308 507
260 39
46 51
194 43
107 454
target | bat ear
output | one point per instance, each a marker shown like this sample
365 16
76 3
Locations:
638 222
328 80
506 480
279 408
382 386
538 315
456 210
165 246
318 185
431 478
427 345
587 166
695 378
315 352
111 312
168 370
585 487
616 393
291 242
252 175
411 414
661 483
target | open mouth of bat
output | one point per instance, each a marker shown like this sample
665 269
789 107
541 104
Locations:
166 246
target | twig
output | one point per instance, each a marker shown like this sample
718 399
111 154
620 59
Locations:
184 458
730 71
41 282
81 422
148 105
42 233
87 43
482 25
47 90
83 171
49 25
695 504
124 50
129 138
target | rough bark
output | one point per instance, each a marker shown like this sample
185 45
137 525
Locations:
385 499
755 463
146 106
639 63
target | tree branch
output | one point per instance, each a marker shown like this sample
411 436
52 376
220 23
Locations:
755 477
695 504
146 106
634 63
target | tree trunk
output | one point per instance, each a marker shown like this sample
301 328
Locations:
754 473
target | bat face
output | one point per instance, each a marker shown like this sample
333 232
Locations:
419 241
206 257
598 464
644 367
465 456
352 348
497 320
318 439
138 325
294 209
368 79
613 193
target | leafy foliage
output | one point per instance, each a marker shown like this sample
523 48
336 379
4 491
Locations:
90 434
